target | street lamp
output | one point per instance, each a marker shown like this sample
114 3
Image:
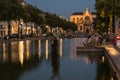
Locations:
20 28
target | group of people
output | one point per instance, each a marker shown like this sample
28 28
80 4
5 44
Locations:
94 40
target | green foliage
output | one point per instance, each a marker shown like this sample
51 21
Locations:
54 21
14 10
32 14
10 10
104 9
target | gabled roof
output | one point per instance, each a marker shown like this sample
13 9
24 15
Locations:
77 13
81 13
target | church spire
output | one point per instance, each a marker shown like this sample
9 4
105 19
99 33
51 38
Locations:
87 11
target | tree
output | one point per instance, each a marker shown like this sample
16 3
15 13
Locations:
28 13
55 21
104 9
12 11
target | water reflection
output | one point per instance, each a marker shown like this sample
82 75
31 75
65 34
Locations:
27 49
40 59
98 57
90 56
39 48
14 52
5 56
46 49
55 62
21 51
60 47
103 59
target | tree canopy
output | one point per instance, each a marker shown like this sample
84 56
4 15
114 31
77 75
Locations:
105 9
55 21
14 10
10 10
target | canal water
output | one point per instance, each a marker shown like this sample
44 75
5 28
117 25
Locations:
42 60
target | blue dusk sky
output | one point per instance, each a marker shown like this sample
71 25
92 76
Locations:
63 7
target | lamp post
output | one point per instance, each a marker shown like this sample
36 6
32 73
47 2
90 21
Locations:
20 28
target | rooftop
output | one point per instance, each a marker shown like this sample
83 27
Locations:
81 13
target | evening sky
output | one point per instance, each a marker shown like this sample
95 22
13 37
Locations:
63 7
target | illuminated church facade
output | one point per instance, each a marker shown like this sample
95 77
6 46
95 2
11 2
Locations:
84 20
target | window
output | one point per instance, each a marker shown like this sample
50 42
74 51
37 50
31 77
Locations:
73 19
80 27
87 18
81 20
77 20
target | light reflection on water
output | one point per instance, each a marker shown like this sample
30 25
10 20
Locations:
29 60
39 48
27 49
21 51
46 49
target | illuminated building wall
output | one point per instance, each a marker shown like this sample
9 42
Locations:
84 20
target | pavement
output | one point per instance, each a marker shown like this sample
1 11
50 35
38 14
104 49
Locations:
114 58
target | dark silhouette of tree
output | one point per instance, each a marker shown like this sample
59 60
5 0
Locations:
104 9
14 10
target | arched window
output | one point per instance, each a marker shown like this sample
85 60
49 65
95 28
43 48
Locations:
77 20
87 18
81 20
73 19
80 27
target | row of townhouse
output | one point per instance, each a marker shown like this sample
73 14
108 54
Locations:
21 28
3 28
17 27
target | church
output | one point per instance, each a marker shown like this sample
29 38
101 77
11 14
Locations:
84 20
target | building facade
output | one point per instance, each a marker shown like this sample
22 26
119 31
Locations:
84 20
17 27
3 28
